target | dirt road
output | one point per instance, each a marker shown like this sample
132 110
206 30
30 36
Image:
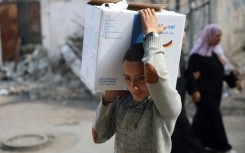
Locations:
68 123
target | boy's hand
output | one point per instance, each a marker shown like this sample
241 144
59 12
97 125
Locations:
196 96
149 21
111 95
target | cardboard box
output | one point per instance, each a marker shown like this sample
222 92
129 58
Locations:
110 32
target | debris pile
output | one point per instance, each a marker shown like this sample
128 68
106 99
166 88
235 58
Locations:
38 76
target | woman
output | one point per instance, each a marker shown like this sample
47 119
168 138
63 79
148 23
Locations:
184 140
207 69
143 118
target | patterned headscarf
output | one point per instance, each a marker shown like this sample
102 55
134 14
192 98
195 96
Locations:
203 46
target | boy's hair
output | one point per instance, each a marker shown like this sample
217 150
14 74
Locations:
134 53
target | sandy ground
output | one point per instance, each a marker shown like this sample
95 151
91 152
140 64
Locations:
68 123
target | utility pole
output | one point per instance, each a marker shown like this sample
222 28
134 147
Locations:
157 1
209 12
191 27
177 7
1 60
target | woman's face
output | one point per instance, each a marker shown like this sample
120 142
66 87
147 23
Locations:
135 80
216 39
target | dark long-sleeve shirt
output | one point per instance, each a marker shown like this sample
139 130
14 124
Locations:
212 75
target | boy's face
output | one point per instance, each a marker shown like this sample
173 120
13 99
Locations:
135 80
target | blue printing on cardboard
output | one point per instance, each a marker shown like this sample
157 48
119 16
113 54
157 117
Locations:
137 32
107 81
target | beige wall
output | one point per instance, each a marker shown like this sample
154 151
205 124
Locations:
60 18
231 16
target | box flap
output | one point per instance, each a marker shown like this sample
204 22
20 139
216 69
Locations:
131 5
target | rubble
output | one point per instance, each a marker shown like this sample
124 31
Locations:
33 66
37 76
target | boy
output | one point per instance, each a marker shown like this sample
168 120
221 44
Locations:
142 118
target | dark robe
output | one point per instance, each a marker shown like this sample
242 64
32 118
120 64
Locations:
207 122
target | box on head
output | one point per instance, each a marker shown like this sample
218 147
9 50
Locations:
111 28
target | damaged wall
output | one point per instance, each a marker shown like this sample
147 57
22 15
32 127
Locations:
20 24
231 16
29 22
60 18
9 30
